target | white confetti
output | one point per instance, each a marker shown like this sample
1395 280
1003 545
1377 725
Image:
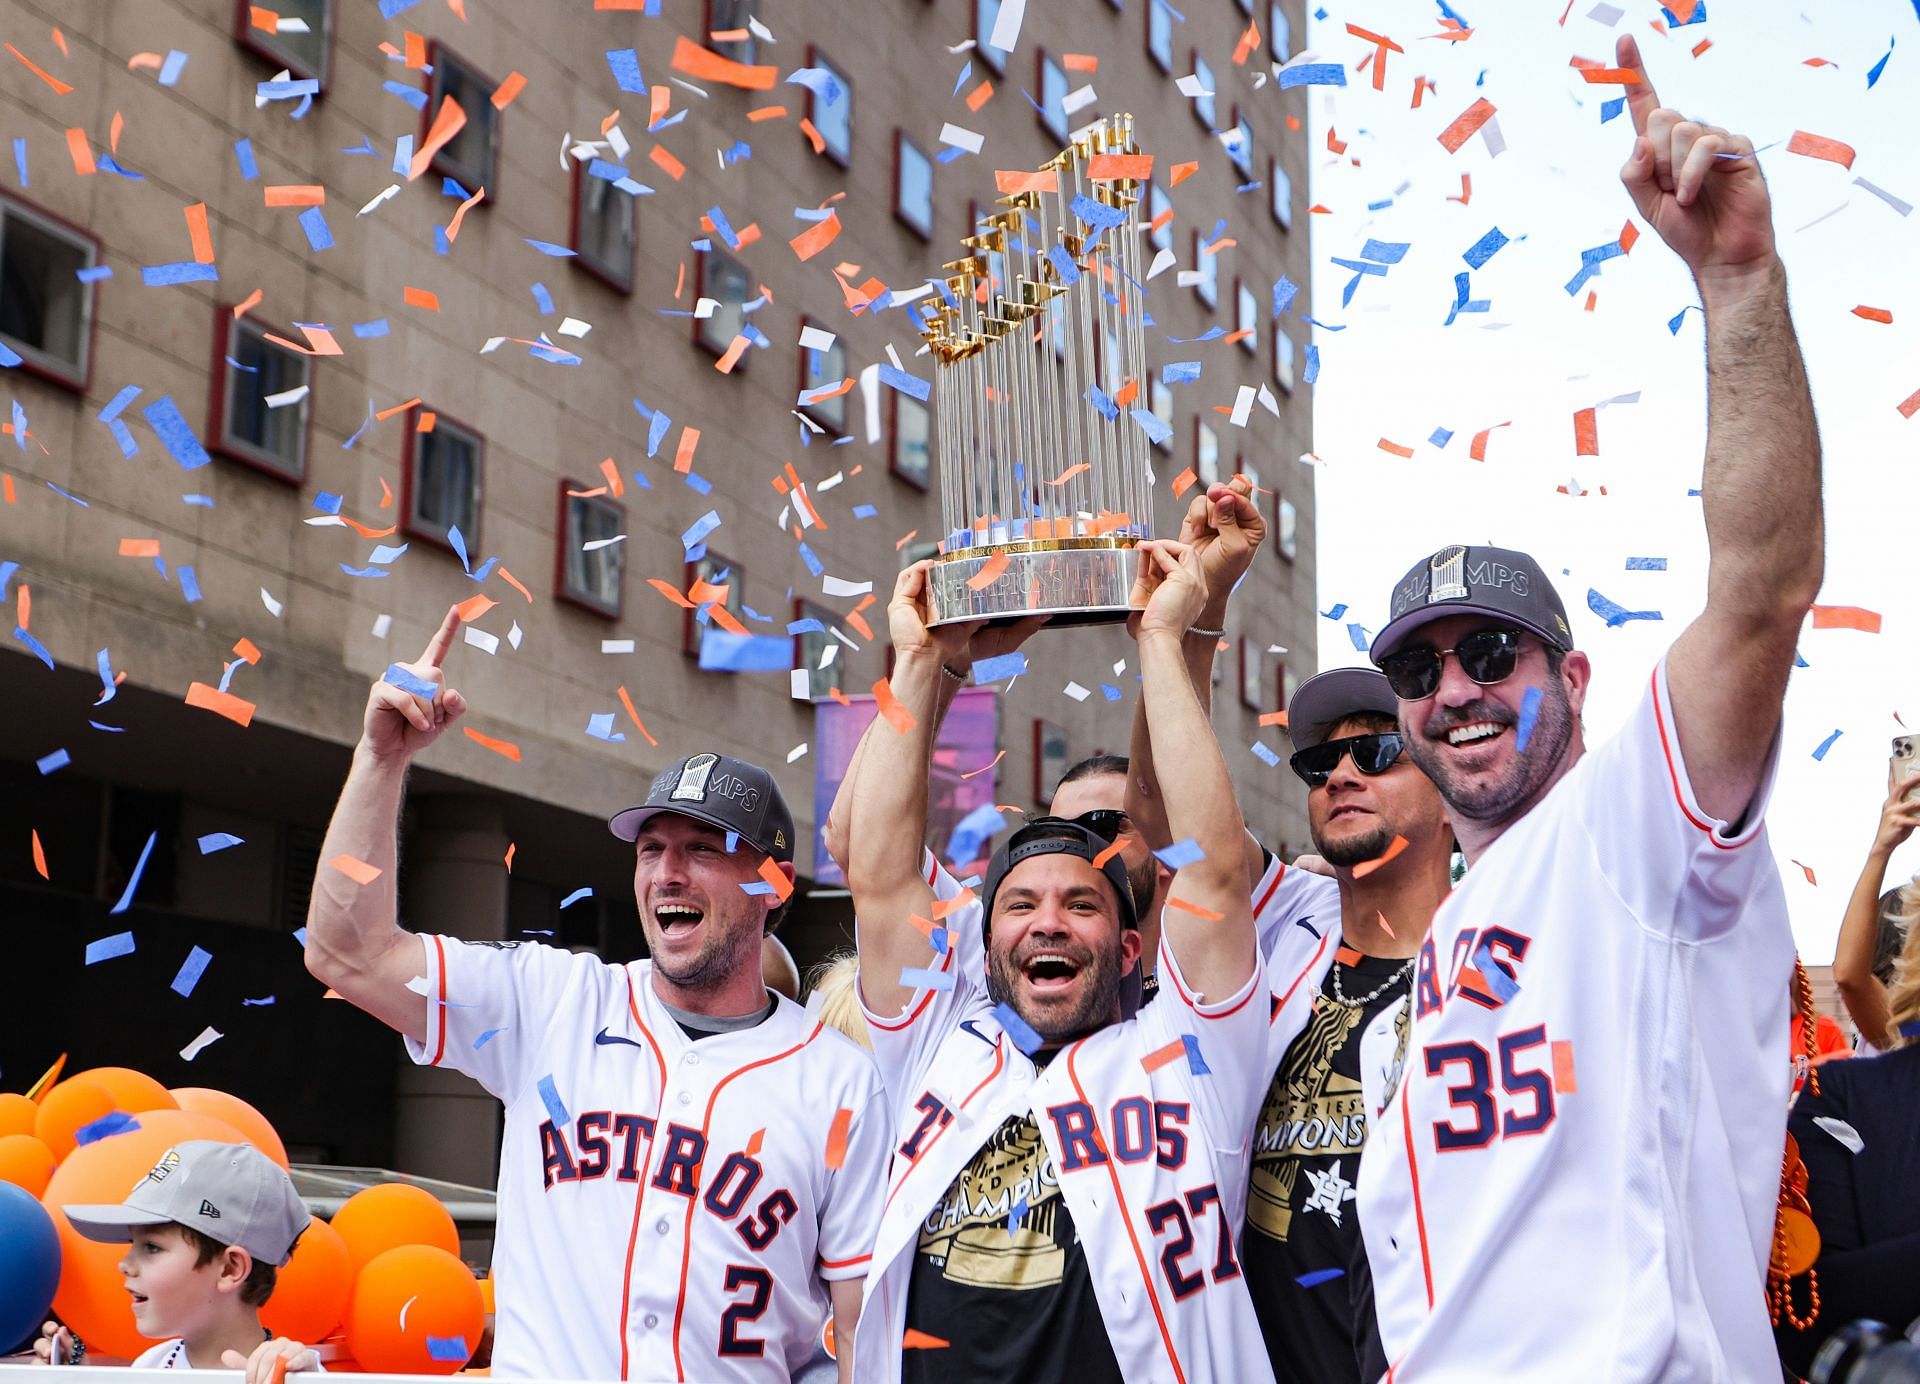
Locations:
288 396
814 339
480 639
838 586
794 754
1848 1136
1190 86
573 326
961 139
594 545
706 307
1076 691
382 623
1606 14
273 607
1077 100
1242 406
208 1036
1162 262
514 636
801 687
1006 25
616 646
1902 207
391 190
760 31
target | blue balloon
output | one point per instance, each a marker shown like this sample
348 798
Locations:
29 1266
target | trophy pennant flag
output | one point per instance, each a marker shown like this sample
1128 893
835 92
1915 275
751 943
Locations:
1039 345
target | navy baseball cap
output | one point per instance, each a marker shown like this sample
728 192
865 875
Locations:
723 792
1500 582
1059 836
1326 699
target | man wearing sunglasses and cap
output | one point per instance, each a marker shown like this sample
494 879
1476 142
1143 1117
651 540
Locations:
1066 1192
1377 820
1577 1168
688 1161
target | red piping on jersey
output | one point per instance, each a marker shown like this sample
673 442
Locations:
706 1122
898 1023
1270 888
1126 1219
1413 1171
1312 961
1173 974
1660 722
845 1263
440 1040
999 1061
640 1196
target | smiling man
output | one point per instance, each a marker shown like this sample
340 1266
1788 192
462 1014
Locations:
688 1160
1579 1161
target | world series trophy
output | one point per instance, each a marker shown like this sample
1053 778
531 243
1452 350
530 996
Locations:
1040 353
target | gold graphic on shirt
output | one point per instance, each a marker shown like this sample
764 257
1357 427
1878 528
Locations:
966 1232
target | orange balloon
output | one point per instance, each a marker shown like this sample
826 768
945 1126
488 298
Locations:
132 1091
25 1162
250 1122
441 1299
91 1298
377 1219
68 1108
311 1296
17 1113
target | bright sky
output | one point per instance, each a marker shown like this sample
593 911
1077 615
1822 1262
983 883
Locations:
1536 356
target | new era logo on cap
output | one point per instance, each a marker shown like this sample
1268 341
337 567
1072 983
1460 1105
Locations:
209 1210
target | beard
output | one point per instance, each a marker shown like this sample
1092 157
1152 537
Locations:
1099 998
1477 798
724 950
1357 850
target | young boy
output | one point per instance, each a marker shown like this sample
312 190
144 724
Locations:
206 1231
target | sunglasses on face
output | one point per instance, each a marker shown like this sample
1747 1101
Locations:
1105 822
1372 754
1487 656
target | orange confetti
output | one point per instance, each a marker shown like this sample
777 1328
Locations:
1273 718
754 1142
1565 1082
776 879
667 164
1106 167
512 846
266 21
1807 870
614 480
1249 41
1465 125
6 490
1466 190
731 356
1629 234
889 706
1702 46
813 136
979 96
704 65
474 607
248 303
1183 481
448 121
235 709
1367 867
82 155
25 608
296 195
760 113
989 573
198 233
1010 182
247 650
499 747
60 88
1610 76
975 773
1479 449
416 55
627 702
1846 618
671 592
1195 909
1586 434
139 547
421 298
920 1340
503 94
683 456
1820 147
1394 447
1180 172
39 857
1910 405
460 214
1161 1057
356 869
1071 472
1080 62
1873 314
816 237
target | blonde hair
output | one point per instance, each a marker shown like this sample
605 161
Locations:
834 981
1903 995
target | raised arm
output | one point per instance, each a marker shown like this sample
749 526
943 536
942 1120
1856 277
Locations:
1701 189
1209 921
1861 990
1225 530
354 940
887 802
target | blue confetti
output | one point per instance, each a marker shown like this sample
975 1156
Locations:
1358 634
487 1037
1529 714
219 841
1157 429
1311 371
917 978
1610 109
657 432
133 883
907 384
1484 249
1441 437
190 971
54 762
1699 15
450 1348
1181 854
457 541
314 222
1825 745
1319 1276
1196 1064
182 272
1673 322
257 1004
243 155
412 95
189 585
570 900
1385 252
1017 1214
1503 986
556 1111
1180 372
20 158
1313 74
1097 214
95 274
398 675
164 417
1614 613
114 1121
1265 754
986 670
1873 73
600 727
756 887
288 89
106 948
548 248
1018 1030
807 626
1338 612
723 228
1284 292
1646 564
727 652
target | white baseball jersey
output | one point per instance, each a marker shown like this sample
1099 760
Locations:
1152 1164
1575 1173
667 1209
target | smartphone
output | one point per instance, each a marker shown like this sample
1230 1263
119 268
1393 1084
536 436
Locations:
1906 760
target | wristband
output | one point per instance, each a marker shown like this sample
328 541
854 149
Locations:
1220 633
960 678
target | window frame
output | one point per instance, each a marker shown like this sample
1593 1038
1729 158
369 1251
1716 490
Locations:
1207 287
1155 388
1041 59
239 449
707 40
895 399
1253 673
833 429
1202 428
817 58
700 262
1278 50
1243 161
1210 121
692 632
803 609
1275 173
263 48
409 459
994 59
1288 549
33 360
438 56
563 589
1159 200
1163 62
1244 298
605 273
1280 333
901 141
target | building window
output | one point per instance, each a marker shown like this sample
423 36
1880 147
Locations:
830 108
1246 317
472 157
1160 34
254 420
46 313
817 651
1205 107
605 224
909 445
1159 216
590 562
912 186
1286 536
1279 32
1052 81
1162 404
1206 452
724 279
824 370
1240 144
730 17
1282 184
1282 357
1207 286
1246 6
712 581
442 479
301 40
985 12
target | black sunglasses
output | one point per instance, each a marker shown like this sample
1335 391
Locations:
1487 656
1372 754
1105 822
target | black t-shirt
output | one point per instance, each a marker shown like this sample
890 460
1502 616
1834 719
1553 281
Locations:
1011 1304
1302 1220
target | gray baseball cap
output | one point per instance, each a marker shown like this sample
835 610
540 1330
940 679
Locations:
232 1193
723 792
1501 582
1326 699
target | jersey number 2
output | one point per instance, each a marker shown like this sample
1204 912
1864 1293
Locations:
759 1286
1474 1095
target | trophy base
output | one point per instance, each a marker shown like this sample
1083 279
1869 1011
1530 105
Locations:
1074 585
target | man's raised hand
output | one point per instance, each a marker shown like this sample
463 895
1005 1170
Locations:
1696 184
411 705
909 614
1169 589
1225 530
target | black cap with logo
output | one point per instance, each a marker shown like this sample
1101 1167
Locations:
723 792
1501 582
1059 836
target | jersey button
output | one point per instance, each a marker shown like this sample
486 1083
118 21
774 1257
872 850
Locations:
693 1059
686 1098
652 1321
664 1226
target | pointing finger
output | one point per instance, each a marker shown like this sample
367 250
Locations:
1642 99
442 639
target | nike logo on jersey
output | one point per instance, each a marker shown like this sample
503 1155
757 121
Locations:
605 1039
967 1026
